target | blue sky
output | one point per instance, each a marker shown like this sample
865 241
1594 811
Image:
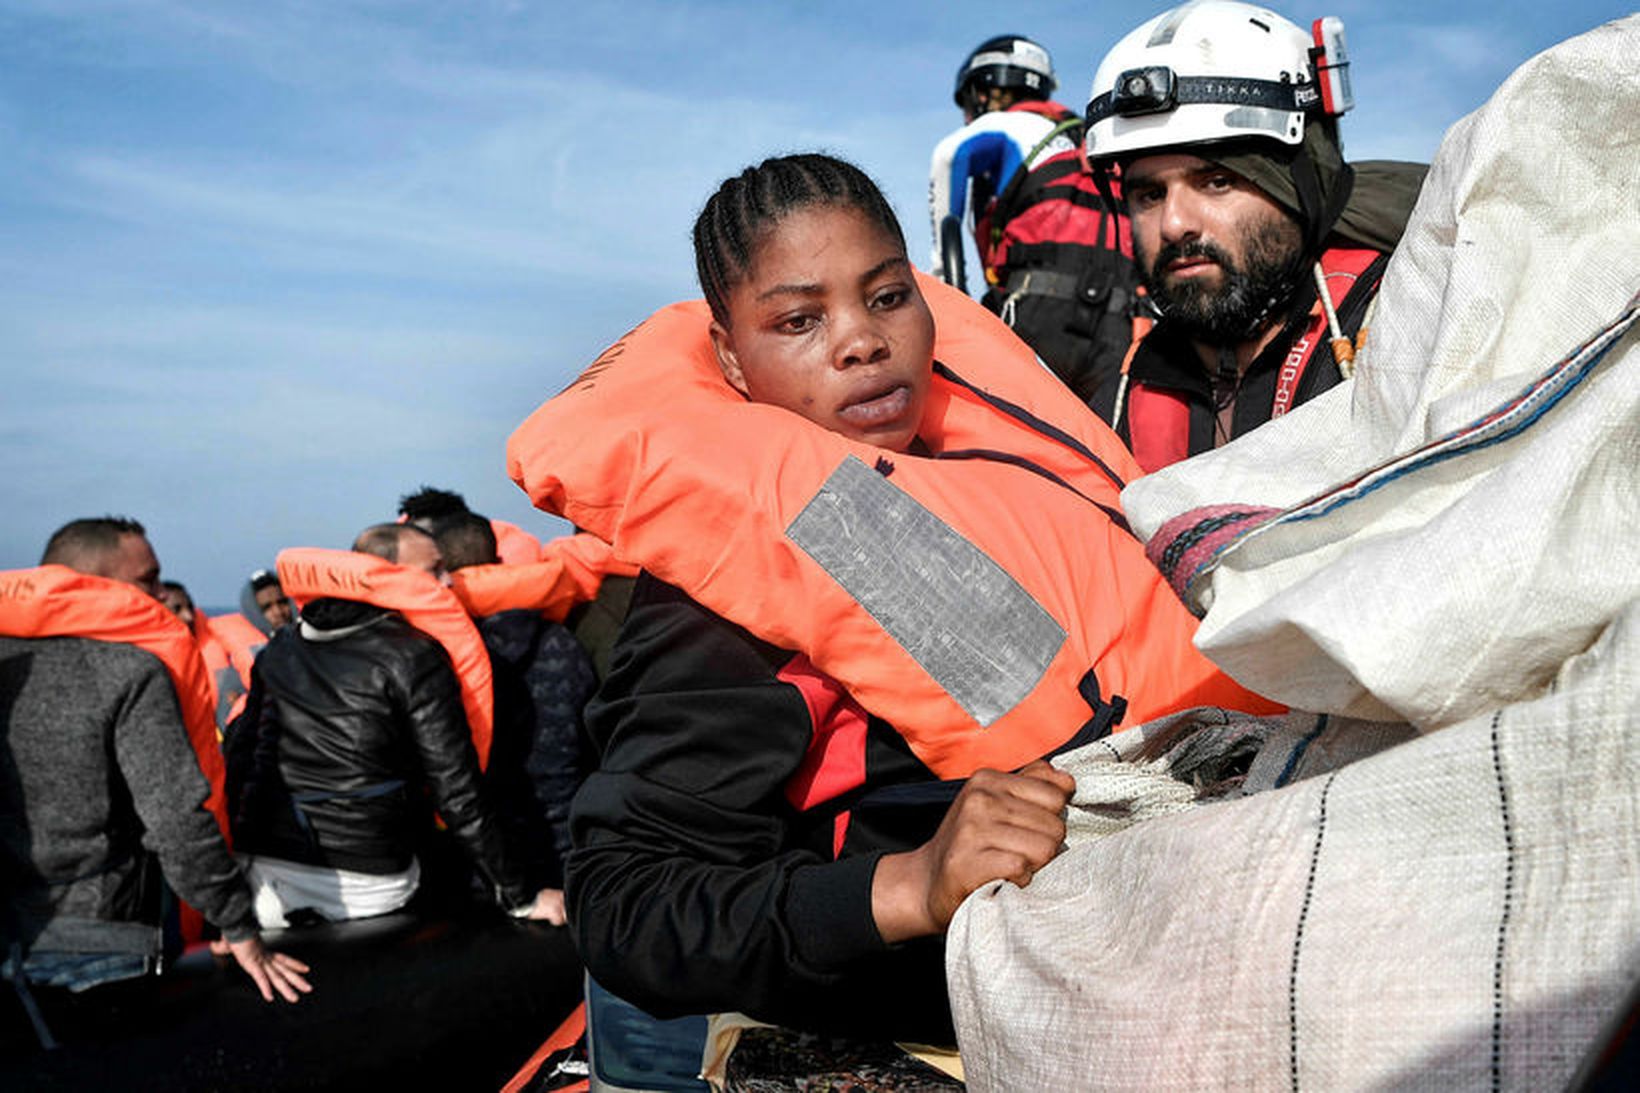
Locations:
269 265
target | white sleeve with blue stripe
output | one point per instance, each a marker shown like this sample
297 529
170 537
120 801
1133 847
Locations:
984 154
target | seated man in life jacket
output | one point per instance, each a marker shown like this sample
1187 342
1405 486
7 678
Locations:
112 774
352 714
263 608
543 679
227 689
1261 247
878 589
430 509
1056 255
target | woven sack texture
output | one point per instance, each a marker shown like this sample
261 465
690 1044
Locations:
1460 518
1458 911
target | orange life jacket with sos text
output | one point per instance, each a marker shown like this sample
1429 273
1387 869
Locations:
310 573
985 600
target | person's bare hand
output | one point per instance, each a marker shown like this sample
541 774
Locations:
1000 827
549 907
271 971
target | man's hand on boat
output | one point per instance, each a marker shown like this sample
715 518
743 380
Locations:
270 971
1000 827
548 907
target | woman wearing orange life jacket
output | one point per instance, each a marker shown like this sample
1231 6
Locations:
935 583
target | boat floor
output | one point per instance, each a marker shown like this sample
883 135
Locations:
449 1003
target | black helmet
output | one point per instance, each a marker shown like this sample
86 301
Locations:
1007 60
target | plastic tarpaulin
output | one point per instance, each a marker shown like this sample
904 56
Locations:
1446 543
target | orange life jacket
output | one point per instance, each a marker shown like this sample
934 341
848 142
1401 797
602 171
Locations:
227 689
571 570
242 640
54 601
1002 571
309 573
514 545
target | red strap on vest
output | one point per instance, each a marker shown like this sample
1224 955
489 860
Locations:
54 601
308 573
1341 266
1159 423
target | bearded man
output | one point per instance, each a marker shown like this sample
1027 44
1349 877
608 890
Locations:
1259 246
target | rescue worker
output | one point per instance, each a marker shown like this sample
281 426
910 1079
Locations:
108 760
1055 253
1260 246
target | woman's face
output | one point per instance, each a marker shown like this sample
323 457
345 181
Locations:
829 324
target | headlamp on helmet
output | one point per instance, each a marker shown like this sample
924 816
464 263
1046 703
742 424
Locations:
1148 90
1216 70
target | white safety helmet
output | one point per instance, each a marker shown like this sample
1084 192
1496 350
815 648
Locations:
1213 70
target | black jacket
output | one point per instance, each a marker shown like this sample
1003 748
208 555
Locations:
543 679
354 728
695 885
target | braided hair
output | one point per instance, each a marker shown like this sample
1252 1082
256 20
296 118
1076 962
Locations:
736 218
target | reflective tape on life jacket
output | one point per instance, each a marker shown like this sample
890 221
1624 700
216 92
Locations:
961 597
54 601
310 573
514 545
571 570
1159 419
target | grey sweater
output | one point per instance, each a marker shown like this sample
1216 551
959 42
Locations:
97 781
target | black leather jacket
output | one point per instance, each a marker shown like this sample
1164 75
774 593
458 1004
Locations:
353 731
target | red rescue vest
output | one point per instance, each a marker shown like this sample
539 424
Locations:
54 601
963 598
1052 213
1159 418
309 573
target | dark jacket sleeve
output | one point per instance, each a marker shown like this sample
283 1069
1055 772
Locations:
687 889
444 745
168 791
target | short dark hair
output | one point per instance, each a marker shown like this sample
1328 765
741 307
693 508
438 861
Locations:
382 540
733 223
466 540
86 538
432 504
264 578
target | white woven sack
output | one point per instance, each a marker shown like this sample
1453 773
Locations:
1461 911
1460 583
